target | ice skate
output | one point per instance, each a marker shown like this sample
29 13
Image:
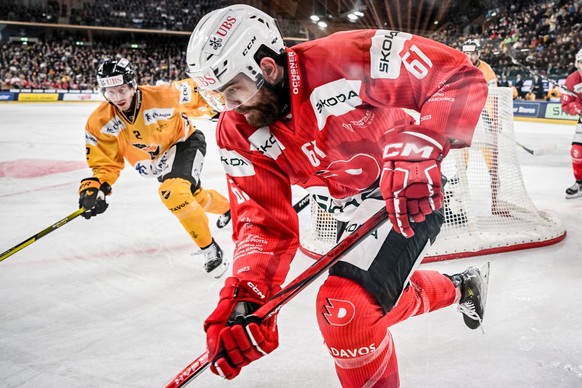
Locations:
473 283
223 220
215 263
574 191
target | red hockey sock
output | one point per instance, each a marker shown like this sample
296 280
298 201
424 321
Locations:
356 330
576 154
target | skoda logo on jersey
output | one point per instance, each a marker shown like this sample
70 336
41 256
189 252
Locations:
385 60
266 143
235 164
335 99
338 312
113 127
151 116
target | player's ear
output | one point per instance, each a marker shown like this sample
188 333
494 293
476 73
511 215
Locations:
271 71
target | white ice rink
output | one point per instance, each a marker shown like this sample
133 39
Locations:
118 300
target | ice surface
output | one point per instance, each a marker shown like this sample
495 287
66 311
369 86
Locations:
118 300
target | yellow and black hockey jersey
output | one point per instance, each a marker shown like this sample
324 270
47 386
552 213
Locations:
162 118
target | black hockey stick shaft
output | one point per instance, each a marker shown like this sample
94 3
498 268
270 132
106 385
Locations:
532 151
528 150
301 204
40 234
303 280
533 72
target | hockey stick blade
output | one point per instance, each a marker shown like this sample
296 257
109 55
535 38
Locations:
298 284
40 234
538 151
532 151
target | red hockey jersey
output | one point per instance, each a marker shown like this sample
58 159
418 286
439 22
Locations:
574 83
344 91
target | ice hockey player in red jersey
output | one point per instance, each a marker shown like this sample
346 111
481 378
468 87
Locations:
572 104
151 128
323 115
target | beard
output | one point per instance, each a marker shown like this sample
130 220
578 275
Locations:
263 109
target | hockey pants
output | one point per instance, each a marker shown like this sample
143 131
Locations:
183 195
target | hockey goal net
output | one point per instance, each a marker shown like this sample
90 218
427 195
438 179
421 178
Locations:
487 208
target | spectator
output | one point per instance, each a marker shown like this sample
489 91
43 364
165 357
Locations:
554 93
530 96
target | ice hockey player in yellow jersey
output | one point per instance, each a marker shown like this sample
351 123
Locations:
472 48
151 128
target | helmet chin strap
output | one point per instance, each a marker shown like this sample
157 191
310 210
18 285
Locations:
281 89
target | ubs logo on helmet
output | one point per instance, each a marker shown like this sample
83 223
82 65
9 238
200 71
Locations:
226 26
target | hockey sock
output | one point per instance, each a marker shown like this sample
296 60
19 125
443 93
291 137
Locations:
367 357
356 334
576 154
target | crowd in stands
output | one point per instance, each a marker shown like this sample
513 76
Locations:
181 15
543 35
69 63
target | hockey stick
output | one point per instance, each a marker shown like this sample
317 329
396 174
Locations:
532 151
199 365
40 234
533 72
302 203
538 151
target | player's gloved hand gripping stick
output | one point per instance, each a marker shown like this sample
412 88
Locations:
265 313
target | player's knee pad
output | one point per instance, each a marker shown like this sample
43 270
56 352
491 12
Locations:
176 195
356 334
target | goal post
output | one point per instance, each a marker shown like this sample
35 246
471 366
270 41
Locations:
487 207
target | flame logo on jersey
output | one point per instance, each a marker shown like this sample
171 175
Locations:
339 312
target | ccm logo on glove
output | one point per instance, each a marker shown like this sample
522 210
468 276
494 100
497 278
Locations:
411 177
408 150
256 290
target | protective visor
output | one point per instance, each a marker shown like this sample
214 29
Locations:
233 94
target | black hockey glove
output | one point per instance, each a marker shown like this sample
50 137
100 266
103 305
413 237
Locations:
92 196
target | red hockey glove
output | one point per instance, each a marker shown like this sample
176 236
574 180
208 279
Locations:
411 179
92 196
579 104
234 338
